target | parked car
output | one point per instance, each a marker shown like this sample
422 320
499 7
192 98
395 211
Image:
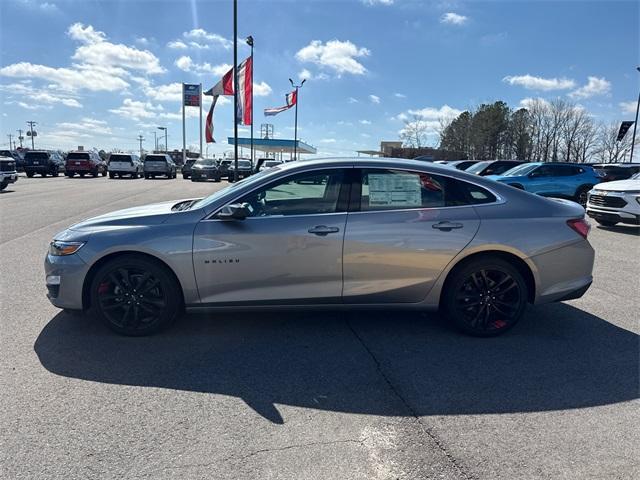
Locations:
16 158
205 169
186 168
616 171
121 164
268 163
43 162
561 180
8 172
84 163
492 167
159 164
244 170
462 164
615 202
223 167
340 233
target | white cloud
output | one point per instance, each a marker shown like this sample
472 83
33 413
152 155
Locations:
595 86
399 95
328 140
377 2
186 64
66 78
335 55
200 39
37 98
86 124
48 7
531 82
374 98
451 18
365 122
352 100
171 92
628 107
304 74
430 113
87 34
137 110
261 89
177 45
532 102
143 41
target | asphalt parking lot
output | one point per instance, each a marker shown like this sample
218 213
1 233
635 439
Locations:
374 395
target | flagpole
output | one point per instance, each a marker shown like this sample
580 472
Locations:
184 132
295 128
235 88
200 93
250 43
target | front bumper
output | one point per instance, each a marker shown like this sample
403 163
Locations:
612 206
64 279
8 177
610 215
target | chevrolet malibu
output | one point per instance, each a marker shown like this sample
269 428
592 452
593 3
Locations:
338 233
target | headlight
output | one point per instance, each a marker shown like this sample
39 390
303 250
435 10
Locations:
58 248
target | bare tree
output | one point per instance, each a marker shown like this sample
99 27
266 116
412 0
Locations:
608 148
415 132
576 120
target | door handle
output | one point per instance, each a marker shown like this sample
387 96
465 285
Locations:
323 230
446 226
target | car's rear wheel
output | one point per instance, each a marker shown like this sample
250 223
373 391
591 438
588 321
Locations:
135 296
486 297
30 174
112 175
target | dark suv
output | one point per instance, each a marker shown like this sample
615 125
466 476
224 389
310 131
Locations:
85 163
205 169
43 162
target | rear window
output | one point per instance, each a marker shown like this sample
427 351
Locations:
36 156
244 163
78 156
477 168
120 158
155 158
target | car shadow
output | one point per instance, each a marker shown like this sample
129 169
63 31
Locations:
558 357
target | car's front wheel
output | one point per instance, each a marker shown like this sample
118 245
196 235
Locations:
581 195
486 297
135 296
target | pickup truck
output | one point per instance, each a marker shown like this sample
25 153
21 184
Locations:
43 162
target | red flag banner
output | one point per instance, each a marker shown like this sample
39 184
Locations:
291 99
208 131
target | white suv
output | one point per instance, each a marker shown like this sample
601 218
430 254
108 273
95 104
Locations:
615 202
121 164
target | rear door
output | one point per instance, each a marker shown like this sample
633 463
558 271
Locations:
406 227
288 251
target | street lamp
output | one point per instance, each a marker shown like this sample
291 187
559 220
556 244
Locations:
295 128
635 124
166 139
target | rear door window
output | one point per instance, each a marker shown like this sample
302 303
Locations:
78 156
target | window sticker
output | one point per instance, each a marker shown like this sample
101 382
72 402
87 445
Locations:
394 190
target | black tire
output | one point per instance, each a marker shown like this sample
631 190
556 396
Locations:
606 223
112 175
485 297
185 176
104 173
30 174
3 185
135 296
69 174
54 173
217 179
94 174
82 174
581 195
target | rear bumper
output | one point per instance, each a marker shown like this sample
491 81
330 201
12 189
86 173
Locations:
564 273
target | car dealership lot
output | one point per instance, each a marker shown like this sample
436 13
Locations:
300 395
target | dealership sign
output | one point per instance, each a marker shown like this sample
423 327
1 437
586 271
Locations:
191 95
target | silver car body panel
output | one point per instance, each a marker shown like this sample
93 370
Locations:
391 258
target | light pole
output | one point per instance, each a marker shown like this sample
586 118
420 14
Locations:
166 138
635 124
295 128
235 89
155 141
249 41
31 123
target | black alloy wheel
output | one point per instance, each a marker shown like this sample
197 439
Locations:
582 196
485 298
135 296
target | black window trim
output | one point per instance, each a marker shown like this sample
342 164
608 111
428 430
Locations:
356 190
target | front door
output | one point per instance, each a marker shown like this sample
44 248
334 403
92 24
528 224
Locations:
409 226
288 251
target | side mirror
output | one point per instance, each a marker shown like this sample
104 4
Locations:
234 211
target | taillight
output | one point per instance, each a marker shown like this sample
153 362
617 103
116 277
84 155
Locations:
580 226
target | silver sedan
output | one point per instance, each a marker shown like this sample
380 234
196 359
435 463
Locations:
338 233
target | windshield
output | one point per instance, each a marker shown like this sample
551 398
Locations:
520 170
206 161
477 168
119 158
243 164
636 176
155 158
258 177
37 155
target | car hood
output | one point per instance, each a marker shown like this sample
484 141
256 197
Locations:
620 186
145 215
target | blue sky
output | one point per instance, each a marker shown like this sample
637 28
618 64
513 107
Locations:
98 73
